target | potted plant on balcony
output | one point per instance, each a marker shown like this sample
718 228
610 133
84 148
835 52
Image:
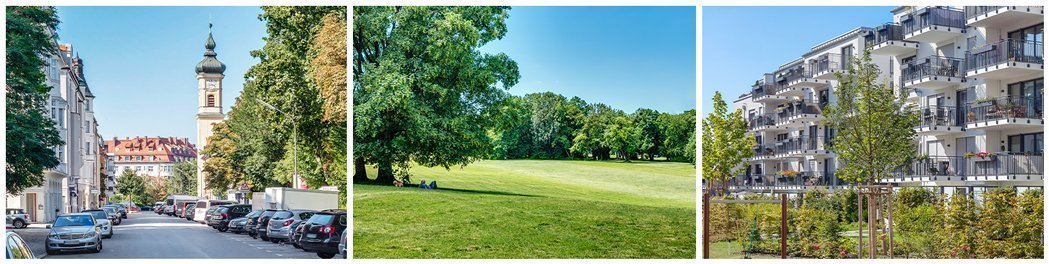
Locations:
969 155
985 101
984 156
788 173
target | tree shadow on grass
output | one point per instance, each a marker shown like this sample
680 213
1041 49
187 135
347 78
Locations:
466 191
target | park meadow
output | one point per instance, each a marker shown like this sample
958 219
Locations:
448 163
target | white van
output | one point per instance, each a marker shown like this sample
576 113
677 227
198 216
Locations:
200 212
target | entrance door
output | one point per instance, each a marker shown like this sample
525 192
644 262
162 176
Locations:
30 204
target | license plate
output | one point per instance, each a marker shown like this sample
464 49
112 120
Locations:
311 235
69 243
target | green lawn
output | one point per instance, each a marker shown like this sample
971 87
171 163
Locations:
532 209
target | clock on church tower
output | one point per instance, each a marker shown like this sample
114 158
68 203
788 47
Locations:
209 103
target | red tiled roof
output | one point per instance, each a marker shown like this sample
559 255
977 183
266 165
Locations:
162 149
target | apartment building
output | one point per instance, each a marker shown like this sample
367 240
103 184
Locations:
974 74
149 156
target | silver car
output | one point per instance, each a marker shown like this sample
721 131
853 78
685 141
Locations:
279 228
103 220
74 232
18 218
112 212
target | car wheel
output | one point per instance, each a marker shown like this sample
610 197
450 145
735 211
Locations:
325 255
296 245
222 229
19 224
98 247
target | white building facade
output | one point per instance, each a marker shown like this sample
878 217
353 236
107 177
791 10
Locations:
974 74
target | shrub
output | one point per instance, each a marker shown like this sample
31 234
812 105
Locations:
995 222
817 231
1029 226
846 200
959 235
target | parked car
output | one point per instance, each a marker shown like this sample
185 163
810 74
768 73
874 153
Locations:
180 208
159 209
204 205
296 234
322 233
253 221
17 248
262 222
19 219
223 214
280 225
122 209
207 215
169 210
238 225
74 232
112 212
342 244
104 220
189 212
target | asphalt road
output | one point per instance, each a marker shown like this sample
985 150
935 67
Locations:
148 235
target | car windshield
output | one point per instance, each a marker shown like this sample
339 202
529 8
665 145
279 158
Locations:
253 214
108 210
74 220
321 219
221 210
268 213
98 214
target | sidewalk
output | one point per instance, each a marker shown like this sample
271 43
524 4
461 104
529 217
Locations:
35 236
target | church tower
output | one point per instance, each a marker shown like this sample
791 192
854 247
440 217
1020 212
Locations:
209 111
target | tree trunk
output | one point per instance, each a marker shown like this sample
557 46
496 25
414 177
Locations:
359 172
385 173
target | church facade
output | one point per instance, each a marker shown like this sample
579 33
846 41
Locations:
209 111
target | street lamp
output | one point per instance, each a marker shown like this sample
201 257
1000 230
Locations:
295 142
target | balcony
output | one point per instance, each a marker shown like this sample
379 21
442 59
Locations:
797 114
768 93
999 16
766 152
799 78
887 40
801 146
771 182
932 73
938 120
933 24
1005 59
824 67
761 122
1004 113
998 167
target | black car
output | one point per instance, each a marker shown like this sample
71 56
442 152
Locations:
240 224
323 232
263 222
190 211
253 221
222 215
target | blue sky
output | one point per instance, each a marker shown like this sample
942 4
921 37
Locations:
626 57
742 43
139 62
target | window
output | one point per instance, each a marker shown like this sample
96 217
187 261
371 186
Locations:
846 56
211 100
138 168
1026 143
149 168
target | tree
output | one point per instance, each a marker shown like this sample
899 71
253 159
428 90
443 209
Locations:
651 136
424 93
31 136
156 189
550 133
725 144
221 170
132 186
184 179
621 136
679 132
875 129
329 71
589 139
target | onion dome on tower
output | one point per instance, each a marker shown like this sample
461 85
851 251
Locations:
210 64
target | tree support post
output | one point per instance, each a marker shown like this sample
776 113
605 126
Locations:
706 225
783 227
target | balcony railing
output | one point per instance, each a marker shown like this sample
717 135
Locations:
961 166
764 150
974 11
825 63
796 108
932 66
1006 50
885 33
802 143
802 179
931 116
762 120
766 90
1003 107
933 16
793 74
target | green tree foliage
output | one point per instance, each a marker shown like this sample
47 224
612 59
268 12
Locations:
31 136
725 143
424 91
589 139
960 233
621 136
156 189
258 147
184 179
221 171
875 126
133 187
650 134
329 71
679 133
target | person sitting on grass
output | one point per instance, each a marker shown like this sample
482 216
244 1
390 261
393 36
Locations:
433 185
422 184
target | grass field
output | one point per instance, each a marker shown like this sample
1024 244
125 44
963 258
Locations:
532 209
